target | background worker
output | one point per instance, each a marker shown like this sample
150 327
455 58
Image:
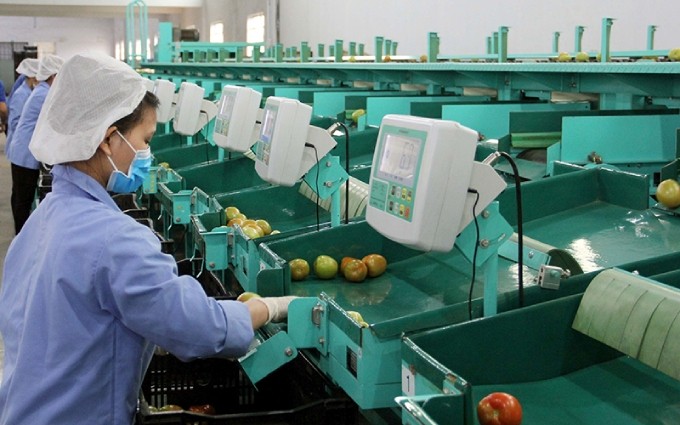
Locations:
3 107
86 290
25 168
28 69
22 76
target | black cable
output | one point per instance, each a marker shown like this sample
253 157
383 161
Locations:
207 147
474 255
318 197
520 230
347 170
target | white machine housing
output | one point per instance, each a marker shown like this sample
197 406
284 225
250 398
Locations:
422 170
165 92
192 112
149 84
188 108
281 153
236 118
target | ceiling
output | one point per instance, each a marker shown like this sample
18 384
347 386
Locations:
91 8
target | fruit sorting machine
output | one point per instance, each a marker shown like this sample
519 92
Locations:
604 355
600 217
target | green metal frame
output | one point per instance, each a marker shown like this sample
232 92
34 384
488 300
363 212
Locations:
131 55
629 82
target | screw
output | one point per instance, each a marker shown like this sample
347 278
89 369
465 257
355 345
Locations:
177 220
322 341
486 214
328 184
211 265
531 254
288 351
484 243
328 163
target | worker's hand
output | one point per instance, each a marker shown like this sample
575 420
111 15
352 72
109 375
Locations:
277 307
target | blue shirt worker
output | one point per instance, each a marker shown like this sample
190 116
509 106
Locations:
25 168
23 65
17 83
28 68
3 107
86 291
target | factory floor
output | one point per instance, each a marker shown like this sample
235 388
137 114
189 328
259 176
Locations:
6 221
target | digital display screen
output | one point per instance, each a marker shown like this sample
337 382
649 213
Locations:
224 115
268 123
399 158
263 145
228 101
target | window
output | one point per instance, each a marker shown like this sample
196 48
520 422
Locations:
217 32
254 30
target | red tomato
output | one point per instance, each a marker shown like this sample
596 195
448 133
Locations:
499 409
355 271
376 264
206 409
344 262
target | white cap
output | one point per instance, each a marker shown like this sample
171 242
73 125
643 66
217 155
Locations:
92 92
49 65
28 67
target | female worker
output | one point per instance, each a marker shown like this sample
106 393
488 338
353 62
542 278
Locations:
25 168
28 69
86 291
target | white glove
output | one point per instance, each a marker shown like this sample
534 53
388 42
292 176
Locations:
277 307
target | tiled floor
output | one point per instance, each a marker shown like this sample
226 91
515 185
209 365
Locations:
6 222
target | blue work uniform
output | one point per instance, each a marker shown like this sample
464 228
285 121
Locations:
16 105
19 153
86 292
17 84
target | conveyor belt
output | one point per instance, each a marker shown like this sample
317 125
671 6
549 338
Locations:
621 391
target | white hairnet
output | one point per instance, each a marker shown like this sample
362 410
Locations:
91 93
49 65
28 67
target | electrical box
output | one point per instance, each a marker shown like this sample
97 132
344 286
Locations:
188 109
281 144
165 92
236 116
419 182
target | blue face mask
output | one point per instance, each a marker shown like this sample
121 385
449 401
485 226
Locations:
120 182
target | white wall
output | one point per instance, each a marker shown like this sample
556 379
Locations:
69 35
233 14
464 25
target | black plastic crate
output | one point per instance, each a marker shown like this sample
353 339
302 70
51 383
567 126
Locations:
294 394
44 184
209 281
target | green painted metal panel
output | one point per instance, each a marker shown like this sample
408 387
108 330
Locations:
493 120
620 139
267 355
353 102
222 176
378 107
536 121
186 155
629 190
330 103
434 109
